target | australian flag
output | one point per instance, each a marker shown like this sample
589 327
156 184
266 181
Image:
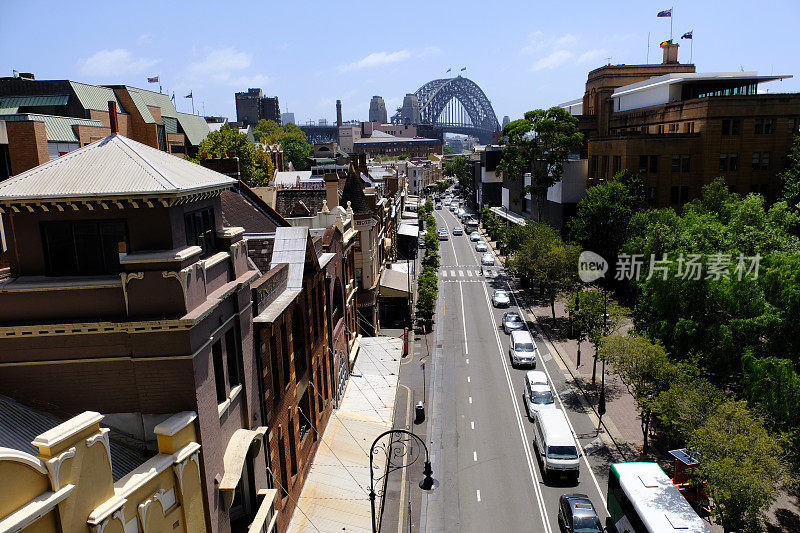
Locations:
667 13
153 80
188 95
687 35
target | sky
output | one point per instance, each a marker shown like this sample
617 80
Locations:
524 54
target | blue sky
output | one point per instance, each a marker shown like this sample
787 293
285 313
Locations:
524 54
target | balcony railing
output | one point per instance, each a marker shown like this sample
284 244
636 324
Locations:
267 516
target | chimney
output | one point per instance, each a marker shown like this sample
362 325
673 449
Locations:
339 113
670 53
112 116
331 189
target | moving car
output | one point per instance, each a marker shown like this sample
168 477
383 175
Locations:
453 208
500 298
512 322
443 235
576 514
474 236
480 246
555 445
538 395
458 231
521 349
438 206
487 259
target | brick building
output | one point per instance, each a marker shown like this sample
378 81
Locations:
128 294
43 119
252 106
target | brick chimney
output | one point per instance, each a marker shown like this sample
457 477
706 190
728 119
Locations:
331 189
112 116
339 113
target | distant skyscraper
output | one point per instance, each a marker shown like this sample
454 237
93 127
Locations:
506 120
252 106
377 110
410 110
287 118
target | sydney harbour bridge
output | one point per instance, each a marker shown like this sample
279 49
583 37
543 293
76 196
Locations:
449 105
456 105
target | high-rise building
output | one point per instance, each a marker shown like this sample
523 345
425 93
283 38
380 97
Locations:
253 106
506 120
410 110
377 110
287 118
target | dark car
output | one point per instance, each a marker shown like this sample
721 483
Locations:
576 514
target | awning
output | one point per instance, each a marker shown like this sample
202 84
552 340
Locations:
394 284
508 215
242 443
409 230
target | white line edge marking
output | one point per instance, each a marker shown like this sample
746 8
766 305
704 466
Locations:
467 360
526 444
472 424
478 491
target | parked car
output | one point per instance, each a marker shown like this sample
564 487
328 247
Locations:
474 236
487 259
480 246
521 349
500 298
538 395
458 231
443 235
512 322
576 514
453 208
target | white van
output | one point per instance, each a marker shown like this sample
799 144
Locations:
555 445
521 349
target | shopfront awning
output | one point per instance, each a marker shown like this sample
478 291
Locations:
409 230
242 443
394 284
508 215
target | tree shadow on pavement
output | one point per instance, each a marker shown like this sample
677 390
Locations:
787 521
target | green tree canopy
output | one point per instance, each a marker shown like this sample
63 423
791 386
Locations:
540 144
447 150
252 166
790 177
295 149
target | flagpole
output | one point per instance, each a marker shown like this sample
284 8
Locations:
691 47
647 61
671 13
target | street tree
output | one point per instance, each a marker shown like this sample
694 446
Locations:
539 143
790 177
740 462
599 315
645 368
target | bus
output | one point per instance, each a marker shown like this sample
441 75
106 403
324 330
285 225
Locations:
642 499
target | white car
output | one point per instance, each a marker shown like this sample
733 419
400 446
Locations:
538 395
458 231
480 246
487 259
474 236
443 235
453 208
521 349
500 298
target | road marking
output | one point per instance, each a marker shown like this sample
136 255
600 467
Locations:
463 319
444 273
453 273
469 273
468 360
479 494
523 435
468 380
472 424
475 456
470 399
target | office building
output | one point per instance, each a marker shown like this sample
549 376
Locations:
252 106
377 110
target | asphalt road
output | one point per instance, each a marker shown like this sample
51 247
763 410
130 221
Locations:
478 432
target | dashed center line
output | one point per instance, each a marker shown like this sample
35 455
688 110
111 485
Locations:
475 456
479 494
467 360
468 379
472 424
470 399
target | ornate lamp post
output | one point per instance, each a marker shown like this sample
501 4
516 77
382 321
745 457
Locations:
397 450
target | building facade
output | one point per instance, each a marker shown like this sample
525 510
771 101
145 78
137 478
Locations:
252 106
377 110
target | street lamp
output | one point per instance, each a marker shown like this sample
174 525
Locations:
577 316
601 403
398 449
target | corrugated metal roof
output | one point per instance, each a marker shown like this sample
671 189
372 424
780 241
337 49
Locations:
20 424
170 124
15 102
94 97
114 166
143 98
290 247
194 127
59 129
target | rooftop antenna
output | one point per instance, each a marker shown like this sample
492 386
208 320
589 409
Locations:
608 61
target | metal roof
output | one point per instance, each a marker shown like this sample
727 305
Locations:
112 167
11 104
290 247
94 97
170 124
143 98
293 177
59 129
194 127
684 77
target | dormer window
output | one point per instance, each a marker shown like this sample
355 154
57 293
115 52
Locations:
200 230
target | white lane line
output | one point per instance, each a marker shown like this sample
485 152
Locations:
463 318
479 494
560 401
470 399
472 424
525 442
475 456
467 360
468 380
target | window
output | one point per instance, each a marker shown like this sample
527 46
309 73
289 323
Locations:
233 352
653 163
282 461
201 230
292 450
676 163
605 166
735 127
726 126
686 161
617 164
764 160
733 162
756 160
759 126
660 128
83 247
219 371
286 362
274 370
651 194
673 128
684 194
673 194
723 162
767 126
162 137
643 164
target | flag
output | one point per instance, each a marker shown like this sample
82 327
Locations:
463 69
665 42
667 13
687 35
153 80
189 95
173 97
448 70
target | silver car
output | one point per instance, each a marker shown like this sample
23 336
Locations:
538 397
474 236
480 246
458 231
487 259
500 298
512 322
521 349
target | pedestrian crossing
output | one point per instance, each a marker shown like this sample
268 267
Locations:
474 274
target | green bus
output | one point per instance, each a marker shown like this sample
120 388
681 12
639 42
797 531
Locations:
642 499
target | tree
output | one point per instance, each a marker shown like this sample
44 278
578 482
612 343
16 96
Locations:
741 464
599 315
645 368
687 403
540 144
459 169
791 176
448 150
266 129
295 149
229 140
